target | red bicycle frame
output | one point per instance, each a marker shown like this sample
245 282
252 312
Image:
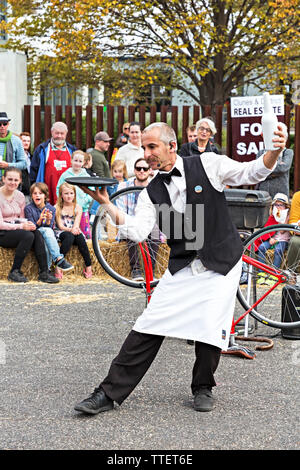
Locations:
148 268
247 259
268 269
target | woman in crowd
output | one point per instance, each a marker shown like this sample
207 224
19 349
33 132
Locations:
68 217
123 138
16 232
206 129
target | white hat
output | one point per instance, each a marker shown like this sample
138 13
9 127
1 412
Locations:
281 197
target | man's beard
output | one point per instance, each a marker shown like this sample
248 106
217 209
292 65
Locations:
139 180
58 142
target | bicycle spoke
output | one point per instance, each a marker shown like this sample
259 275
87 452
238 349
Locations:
272 286
122 258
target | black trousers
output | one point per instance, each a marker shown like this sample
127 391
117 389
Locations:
136 356
133 251
23 241
68 239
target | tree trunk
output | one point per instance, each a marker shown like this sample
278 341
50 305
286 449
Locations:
211 92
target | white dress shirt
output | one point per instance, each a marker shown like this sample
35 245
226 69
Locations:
221 171
130 153
194 303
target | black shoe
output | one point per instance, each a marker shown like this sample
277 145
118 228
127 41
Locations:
137 275
95 403
17 276
190 342
64 265
203 399
45 276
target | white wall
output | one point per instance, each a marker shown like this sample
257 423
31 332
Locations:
13 87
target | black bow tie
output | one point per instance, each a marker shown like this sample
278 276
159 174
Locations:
166 177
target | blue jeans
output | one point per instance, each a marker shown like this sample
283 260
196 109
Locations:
94 208
52 247
279 249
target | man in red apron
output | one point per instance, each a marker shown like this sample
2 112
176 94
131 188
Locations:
59 160
51 159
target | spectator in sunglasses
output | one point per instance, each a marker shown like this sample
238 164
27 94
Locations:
128 203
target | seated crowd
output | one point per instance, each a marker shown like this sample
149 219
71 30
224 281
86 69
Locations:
39 210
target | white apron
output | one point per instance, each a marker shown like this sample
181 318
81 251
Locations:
196 307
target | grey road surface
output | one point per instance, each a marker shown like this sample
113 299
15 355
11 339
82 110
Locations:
57 342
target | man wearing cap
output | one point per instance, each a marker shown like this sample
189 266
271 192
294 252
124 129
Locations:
130 152
11 148
51 159
100 164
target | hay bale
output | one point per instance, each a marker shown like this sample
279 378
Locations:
30 266
115 253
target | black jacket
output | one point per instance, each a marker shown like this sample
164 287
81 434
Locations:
191 148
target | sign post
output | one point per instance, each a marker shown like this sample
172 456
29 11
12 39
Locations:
246 127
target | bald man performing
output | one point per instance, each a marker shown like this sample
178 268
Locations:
195 298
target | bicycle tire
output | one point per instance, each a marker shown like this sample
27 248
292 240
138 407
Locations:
113 254
269 310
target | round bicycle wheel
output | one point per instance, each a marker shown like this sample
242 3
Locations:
270 291
121 258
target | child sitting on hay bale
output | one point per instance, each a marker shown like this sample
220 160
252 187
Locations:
42 214
68 217
84 200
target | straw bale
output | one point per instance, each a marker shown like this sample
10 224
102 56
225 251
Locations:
117 258
30 266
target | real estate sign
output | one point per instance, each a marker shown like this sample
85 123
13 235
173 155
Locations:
246 112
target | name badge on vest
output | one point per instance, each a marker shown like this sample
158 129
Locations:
198 188
60 164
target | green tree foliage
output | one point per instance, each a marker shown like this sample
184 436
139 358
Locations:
207 47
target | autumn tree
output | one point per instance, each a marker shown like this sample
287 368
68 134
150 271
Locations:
205 48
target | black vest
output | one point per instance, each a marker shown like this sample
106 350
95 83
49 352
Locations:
217 242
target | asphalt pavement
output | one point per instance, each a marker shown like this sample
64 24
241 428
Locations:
56 344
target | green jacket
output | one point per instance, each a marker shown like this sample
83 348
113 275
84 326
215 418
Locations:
100 164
